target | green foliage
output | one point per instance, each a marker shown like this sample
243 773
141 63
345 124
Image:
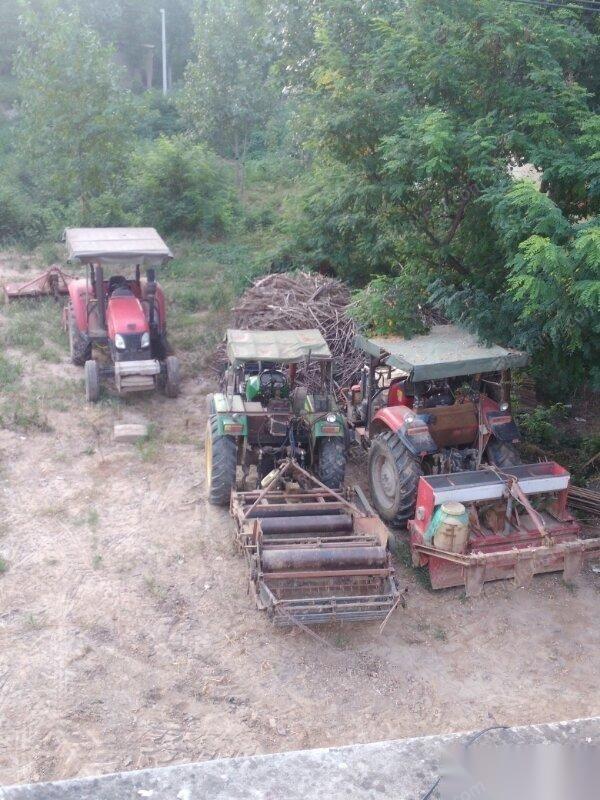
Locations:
391 305
540 425
227 97
74 117
181 186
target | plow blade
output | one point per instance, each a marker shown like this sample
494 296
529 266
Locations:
518 525
52 283
314 556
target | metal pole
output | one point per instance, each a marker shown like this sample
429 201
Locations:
164 51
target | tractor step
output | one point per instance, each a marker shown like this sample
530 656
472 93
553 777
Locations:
136 376
518 527
314 556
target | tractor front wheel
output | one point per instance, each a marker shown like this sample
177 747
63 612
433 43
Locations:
331 468
173 379
221 464
92 381
80 347
502 455
394 474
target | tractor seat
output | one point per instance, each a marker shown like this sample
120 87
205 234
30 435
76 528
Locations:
122 291
116 283
279 406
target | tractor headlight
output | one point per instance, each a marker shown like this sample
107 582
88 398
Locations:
331 418
409 419
145 340
504 406
119 342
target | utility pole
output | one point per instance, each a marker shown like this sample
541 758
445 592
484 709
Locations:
164 51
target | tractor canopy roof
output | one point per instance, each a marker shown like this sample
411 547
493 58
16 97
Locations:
128 246
447 351
280 347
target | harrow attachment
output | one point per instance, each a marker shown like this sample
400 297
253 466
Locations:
314 555
516 526
52 283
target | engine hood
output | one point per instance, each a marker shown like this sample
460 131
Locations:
125 315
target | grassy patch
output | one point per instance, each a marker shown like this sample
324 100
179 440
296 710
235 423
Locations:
23 414
3 565
150 445
30 323
10 373
400 547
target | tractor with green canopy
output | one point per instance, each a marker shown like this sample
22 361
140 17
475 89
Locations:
277 401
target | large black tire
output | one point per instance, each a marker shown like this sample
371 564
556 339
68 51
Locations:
221 464
173 378
331 461
92 381
394 474
502 455
80 347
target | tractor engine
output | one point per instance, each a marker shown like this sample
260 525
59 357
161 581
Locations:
128 331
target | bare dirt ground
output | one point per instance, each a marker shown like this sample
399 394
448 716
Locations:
128 638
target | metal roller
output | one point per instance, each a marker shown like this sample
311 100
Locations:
334 523
325 557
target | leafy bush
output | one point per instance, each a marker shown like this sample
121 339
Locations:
20 219
177 185
391 305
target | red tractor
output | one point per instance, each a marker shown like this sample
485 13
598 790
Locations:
125 317
433 405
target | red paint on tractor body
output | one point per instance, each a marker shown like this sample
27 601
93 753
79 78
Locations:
81 296
125 315
390 417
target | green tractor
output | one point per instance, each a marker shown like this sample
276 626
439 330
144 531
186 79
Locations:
264 414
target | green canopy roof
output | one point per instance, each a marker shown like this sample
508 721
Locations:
280 347
447 351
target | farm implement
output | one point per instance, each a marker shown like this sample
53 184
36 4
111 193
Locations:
315 555
51 283
491 524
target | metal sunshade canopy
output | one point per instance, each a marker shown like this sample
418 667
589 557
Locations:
281 347
141 246
447 351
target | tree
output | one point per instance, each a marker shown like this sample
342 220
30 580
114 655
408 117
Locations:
75 124
227 96
415 118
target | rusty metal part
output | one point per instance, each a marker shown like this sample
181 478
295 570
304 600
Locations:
584 500
519 526
309 523
52 283
314 556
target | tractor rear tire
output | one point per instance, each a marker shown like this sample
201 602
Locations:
502 455
79 345
394 474
331 467
173 379
92 381
221 464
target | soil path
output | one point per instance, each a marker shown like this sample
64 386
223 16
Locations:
128 638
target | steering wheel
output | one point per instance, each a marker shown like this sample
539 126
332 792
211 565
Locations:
272 380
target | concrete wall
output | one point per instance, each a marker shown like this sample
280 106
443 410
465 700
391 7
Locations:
402 770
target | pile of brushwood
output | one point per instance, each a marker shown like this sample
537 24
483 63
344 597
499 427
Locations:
297 301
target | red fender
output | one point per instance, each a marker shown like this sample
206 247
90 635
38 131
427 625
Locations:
390 418
77 297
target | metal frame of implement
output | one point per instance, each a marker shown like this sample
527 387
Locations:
523 543
314 556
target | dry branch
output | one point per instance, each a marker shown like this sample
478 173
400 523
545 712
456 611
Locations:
296 301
